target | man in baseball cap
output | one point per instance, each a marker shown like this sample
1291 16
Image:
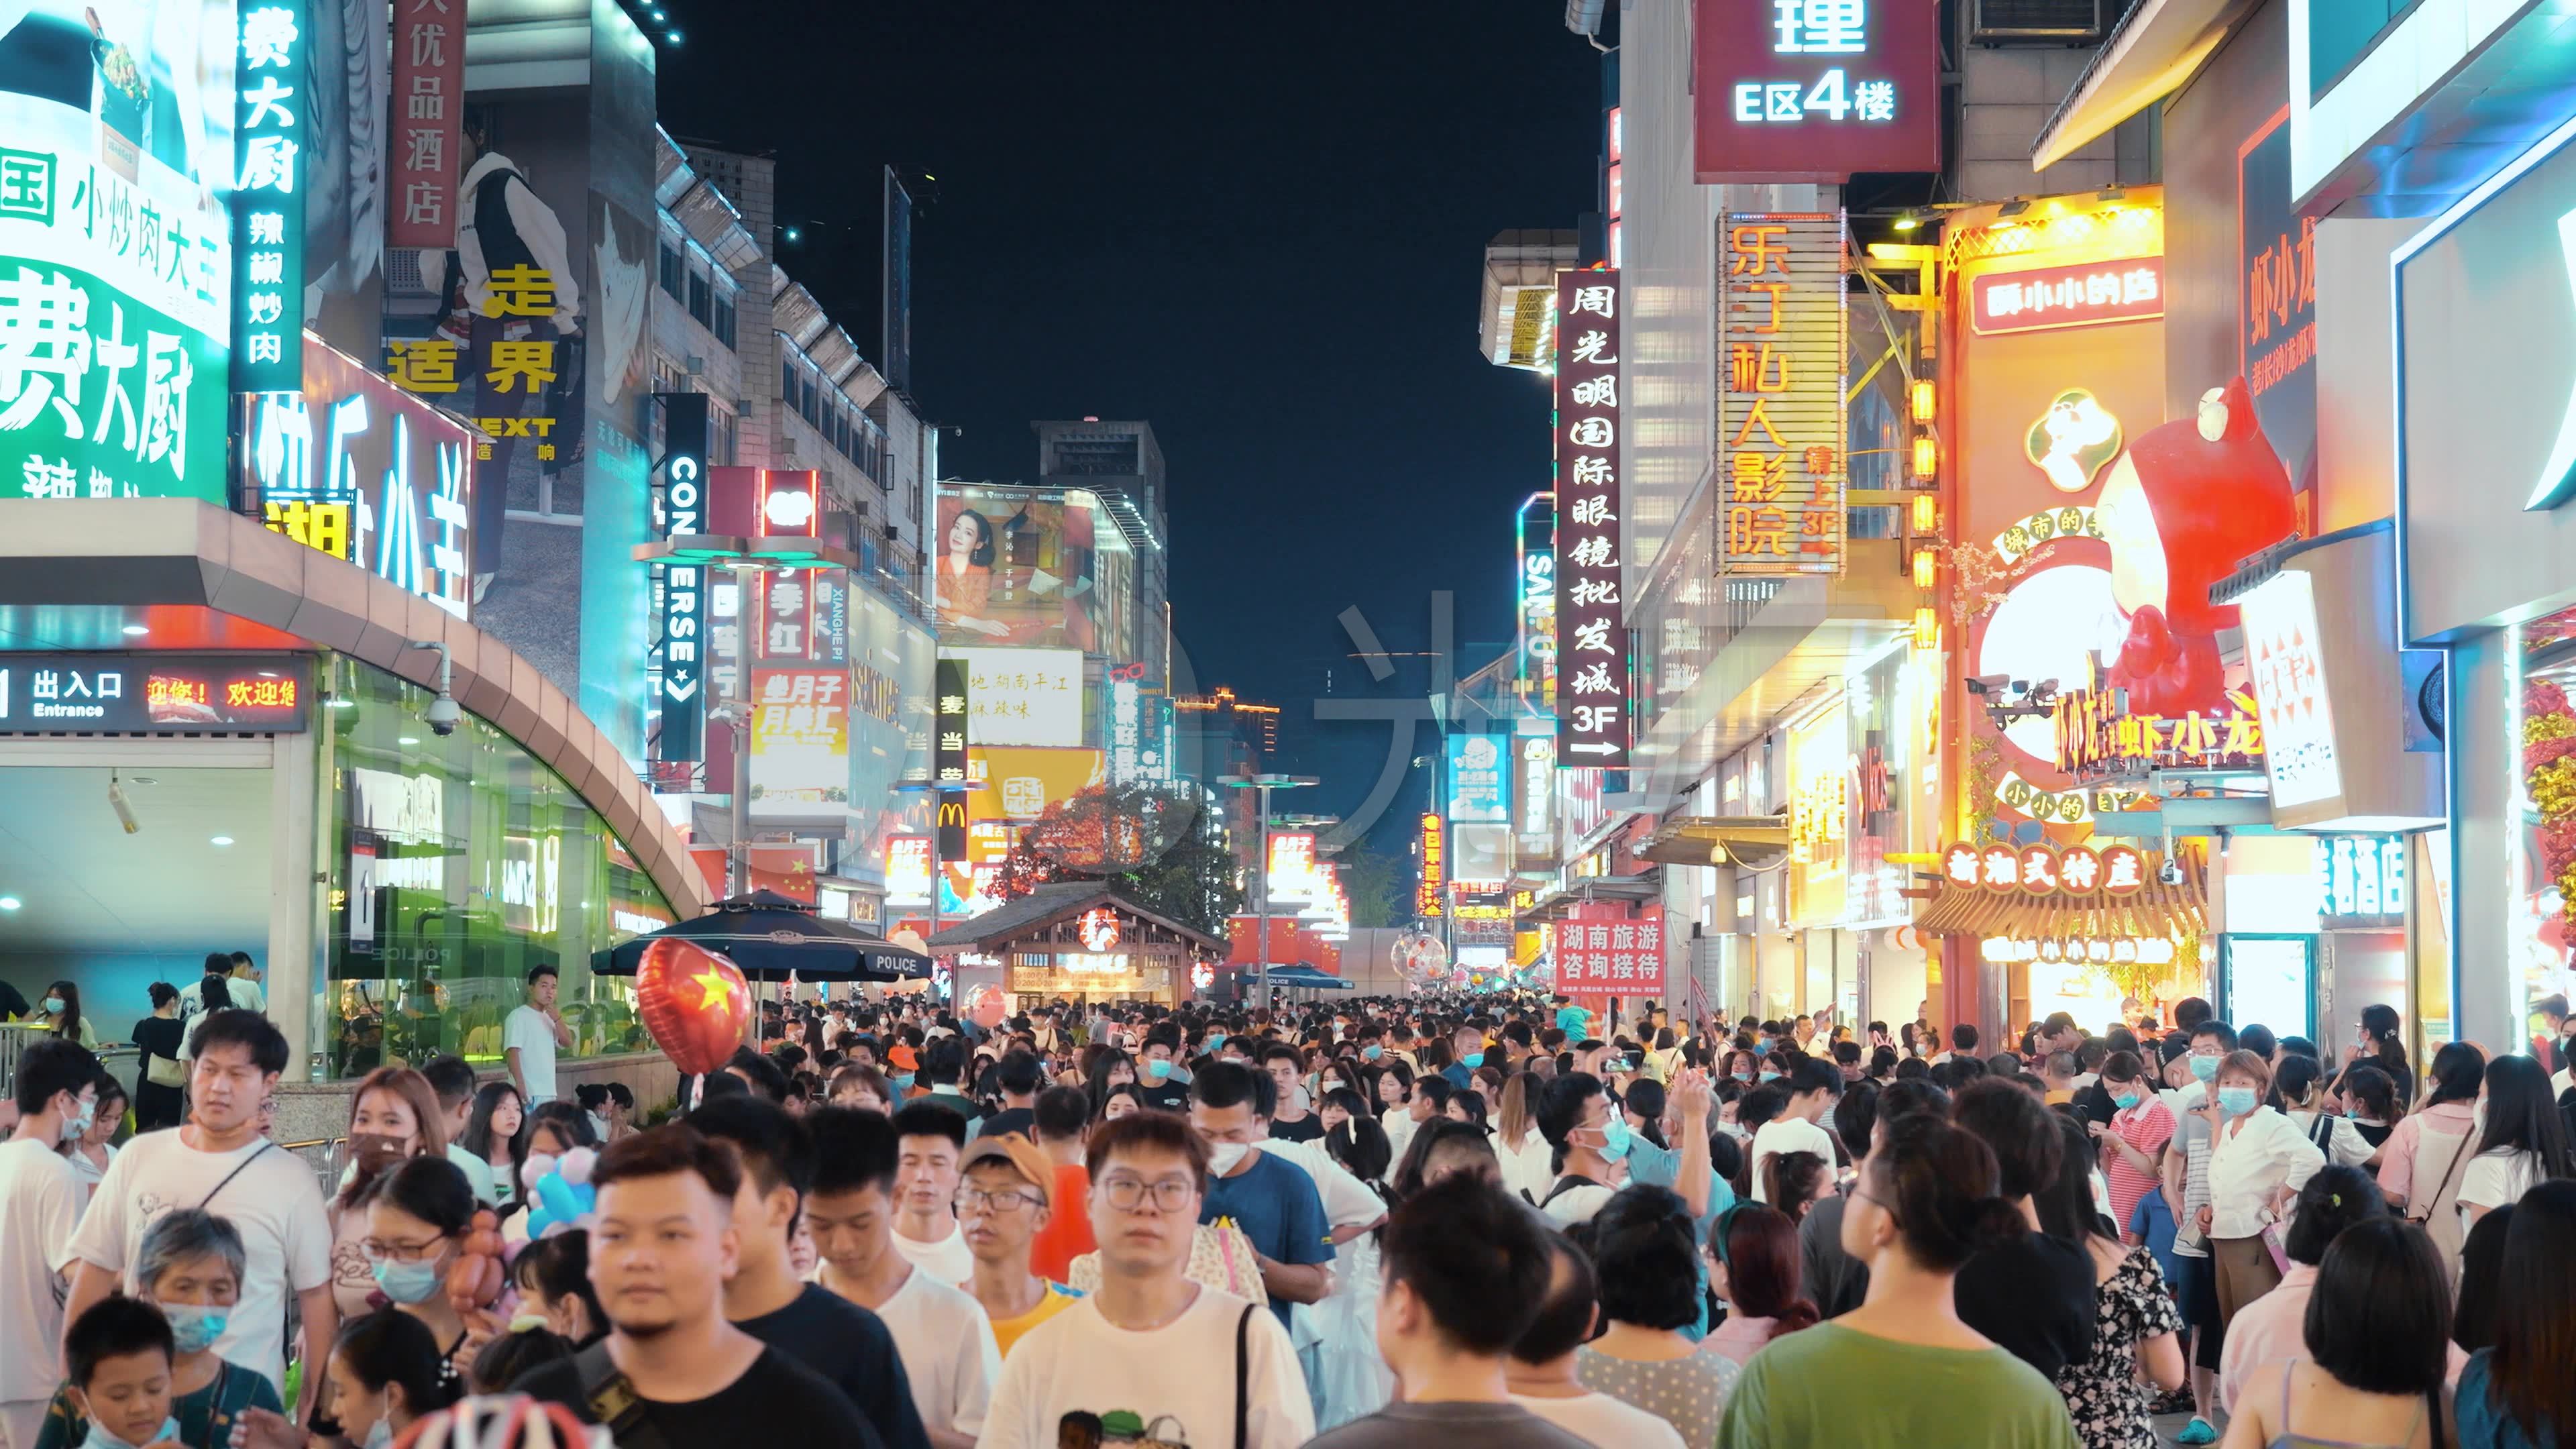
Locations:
1005 1193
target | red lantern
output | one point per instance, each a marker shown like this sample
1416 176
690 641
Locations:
693 1001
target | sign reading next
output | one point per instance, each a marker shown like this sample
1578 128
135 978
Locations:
154 694
1814 90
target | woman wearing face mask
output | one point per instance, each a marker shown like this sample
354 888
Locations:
386 1373
2370 1102
2421 1166
2257 1162
2132 1144
417 1218
393 1117
60 1013
2310 1107
1119 1101
2521 1142
189 1265
91 1152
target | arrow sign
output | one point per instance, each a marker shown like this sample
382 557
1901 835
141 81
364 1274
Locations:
677 689
1594 748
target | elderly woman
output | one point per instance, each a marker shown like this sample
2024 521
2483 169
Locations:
189 1265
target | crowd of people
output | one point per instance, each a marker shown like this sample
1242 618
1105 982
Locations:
1354 1225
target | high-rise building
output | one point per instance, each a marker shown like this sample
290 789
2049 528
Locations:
1121 464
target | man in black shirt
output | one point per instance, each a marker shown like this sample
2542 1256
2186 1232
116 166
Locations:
1020 1079
1154 1083
822 1330
2036 1295
671 1367
1292 1120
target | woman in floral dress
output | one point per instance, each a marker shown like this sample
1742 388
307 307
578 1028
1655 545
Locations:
2135 1323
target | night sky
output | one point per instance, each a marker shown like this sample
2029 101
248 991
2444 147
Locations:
1258 227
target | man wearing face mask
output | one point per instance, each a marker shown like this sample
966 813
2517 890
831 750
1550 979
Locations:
2186 1190
1467 1044
1275 1204
1587 1139
40 1202
1155 1070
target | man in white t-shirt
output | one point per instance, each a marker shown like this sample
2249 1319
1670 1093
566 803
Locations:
40 1201
1585 1134
932 1140
530 1037
1151 1346
220 1163
1812 1085
1541 1375
949 1353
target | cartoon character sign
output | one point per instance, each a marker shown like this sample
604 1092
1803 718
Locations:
2072 440
2180 510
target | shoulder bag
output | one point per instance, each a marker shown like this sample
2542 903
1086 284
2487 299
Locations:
2419 1217
611 1398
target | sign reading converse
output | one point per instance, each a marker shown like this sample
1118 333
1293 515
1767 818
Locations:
682 587
2486 454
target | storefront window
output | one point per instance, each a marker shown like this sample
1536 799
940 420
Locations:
459 863
2545 842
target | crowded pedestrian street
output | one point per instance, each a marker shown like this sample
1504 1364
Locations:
717 732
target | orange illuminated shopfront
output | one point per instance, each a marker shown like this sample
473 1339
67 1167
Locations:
1078 941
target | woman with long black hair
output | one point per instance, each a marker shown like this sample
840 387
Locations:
2421 1166
2519 1394
2378 1341
2522 1142
2381 1045
2137 1330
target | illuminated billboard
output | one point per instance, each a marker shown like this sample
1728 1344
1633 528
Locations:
154 693
1591 632
1480 780
1814 90
116 149
800 743
1022 696
1029 567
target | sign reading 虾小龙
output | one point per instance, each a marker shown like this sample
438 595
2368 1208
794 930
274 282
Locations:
1780 406
1591 624
273 141
1814 90
429 123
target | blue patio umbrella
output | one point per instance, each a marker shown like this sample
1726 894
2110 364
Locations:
771 937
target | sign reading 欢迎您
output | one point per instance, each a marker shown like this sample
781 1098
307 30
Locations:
1780 406
429 124
1814 90
271 139
154 693
1591 625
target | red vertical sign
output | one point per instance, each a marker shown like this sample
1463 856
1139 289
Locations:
1604 951
1591 627
429 123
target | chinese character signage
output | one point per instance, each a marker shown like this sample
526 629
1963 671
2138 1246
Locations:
154 693
2361 882
1538 624
354 468
1535 801
1613 956
1591 628
2277 315
2044 870
1479 780
800 742
1814 90
682 635
1435 867
2080 296
907 870
2096 737
1023 696
950 710
428 124
275 153
1780 405
115 250
1127 743
2282 652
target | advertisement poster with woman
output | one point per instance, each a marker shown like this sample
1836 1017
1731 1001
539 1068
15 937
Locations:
1018 568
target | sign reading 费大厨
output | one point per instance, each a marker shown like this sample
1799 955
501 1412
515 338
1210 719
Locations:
1591 628
275 150
153 693
116 154
1814 90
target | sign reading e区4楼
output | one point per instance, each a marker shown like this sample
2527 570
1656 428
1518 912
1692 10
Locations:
1814 90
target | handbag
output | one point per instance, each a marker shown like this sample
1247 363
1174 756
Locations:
2420 1218
166 1072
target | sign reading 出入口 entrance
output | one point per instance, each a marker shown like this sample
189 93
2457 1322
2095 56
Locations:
154 694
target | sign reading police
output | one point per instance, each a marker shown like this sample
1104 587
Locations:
1814 90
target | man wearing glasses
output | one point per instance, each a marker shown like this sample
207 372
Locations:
1006 1192
1153 1352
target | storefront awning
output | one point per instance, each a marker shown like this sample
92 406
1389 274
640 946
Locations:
1645 886
1718 840
1052 905
2158 910
2155 48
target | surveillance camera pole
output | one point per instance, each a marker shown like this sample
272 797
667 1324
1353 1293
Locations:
445 677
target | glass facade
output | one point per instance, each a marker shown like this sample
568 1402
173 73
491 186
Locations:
2340 32
456 864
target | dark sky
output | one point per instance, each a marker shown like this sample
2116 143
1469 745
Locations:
1259 227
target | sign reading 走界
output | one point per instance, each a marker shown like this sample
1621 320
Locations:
1591 628
1780 407
682 587
268 198
154 693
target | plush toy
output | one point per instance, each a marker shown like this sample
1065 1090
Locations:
2186 504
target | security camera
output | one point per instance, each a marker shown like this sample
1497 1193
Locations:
123 807
2169 874
442 715
1988 683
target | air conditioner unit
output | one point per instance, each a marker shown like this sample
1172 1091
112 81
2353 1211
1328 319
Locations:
2042 22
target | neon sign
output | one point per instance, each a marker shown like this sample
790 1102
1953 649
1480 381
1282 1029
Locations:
683 511
268 203
1591 633
1814 90
2079 296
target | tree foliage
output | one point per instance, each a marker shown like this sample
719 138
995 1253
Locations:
1141 839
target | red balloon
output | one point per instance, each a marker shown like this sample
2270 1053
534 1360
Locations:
695 1003
984 1007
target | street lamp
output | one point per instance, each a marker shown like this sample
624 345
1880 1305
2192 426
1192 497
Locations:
1265 784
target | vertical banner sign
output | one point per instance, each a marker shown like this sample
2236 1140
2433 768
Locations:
948 757
269 148
1127 743
898 284
1591 638
683 735
1435 868
2277 336
429 123
1780 404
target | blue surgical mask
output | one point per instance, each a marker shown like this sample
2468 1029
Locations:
194 1329
1370 1053
1744 1074
1615 1138
1157 1070
2125 1099
2205 1068
409 1282
903 1083
1472 1060
101 1439
1769 1075
2236 1101
53 1006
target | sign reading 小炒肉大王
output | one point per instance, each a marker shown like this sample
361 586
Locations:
1591 632
1780 405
